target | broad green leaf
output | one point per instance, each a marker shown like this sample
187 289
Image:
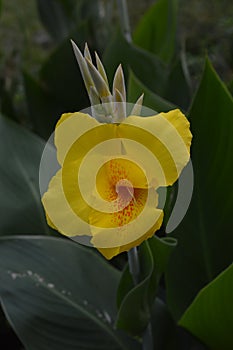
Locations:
57 16
230 87
151 100
20 205
7 335
156 32
44 109
210 316
7 103
146 66
58 89
163 327
205 234
61 77
131 318
161 249
164 87
59 295
153 256
177 89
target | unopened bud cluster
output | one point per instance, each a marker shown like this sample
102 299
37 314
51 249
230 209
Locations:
107 106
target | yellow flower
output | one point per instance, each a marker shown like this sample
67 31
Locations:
106 187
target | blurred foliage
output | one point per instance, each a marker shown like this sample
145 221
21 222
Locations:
207 27
155 35
202 26
39 81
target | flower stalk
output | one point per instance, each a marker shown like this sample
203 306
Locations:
134 266
124 17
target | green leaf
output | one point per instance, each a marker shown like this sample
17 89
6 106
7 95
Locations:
210 316
57 16
230 87
147 67
156 32
61 77
163 327
151 100
7 103
44 109
55 295
58 89
177 88
205 234
164 87
7 335
20 204
130 318
161 249
153 256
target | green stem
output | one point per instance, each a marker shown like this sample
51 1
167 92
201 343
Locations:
124 18
147 339
134 268
185 65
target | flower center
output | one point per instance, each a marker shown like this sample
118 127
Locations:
125 193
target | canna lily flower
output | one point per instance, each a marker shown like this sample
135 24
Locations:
111 166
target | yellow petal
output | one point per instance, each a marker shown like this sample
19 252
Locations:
80 167
109 253
49 222
70 127
126 226
60 214
167 136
